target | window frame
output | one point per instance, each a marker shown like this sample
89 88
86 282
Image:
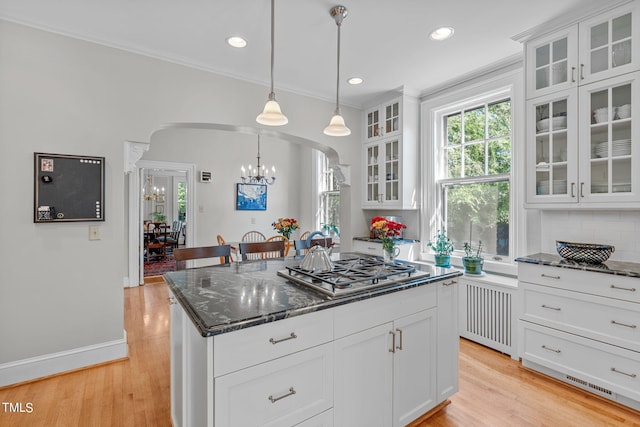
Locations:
327 187
504 83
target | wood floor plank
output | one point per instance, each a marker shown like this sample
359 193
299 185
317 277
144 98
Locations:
495 391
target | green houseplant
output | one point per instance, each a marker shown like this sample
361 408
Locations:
331 229
472 262
443 248
159 217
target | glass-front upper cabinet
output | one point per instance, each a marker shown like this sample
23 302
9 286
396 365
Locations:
552 62
384 120
609 44
609 157
552 153
373 173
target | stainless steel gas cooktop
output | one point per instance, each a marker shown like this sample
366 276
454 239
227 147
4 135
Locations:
355 275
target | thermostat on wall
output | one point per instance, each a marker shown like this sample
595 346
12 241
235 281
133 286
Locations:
205 176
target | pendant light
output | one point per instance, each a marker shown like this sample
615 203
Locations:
336 125
272 115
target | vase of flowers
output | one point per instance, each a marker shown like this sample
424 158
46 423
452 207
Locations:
443 248
285 226
387 231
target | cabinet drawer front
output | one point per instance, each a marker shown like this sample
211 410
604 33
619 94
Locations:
370 248
355 317
284 391
325 419
271 340
603 365
605 319
603 284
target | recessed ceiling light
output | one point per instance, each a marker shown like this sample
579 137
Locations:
441 33
236 41
355 81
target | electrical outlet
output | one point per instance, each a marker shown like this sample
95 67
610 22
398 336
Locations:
94 232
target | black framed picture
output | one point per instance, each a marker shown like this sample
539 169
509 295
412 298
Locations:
68 188
251 197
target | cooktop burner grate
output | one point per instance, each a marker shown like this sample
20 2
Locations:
353 275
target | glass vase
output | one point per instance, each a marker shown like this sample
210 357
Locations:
391 254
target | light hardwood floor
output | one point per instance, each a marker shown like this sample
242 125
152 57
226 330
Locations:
494 390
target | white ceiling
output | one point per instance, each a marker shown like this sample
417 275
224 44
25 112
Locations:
384 42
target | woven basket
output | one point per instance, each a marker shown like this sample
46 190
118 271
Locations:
584 252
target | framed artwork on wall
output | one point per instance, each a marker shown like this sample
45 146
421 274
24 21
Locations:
251 197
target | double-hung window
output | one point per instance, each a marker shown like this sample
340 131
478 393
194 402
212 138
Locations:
329 197
474 180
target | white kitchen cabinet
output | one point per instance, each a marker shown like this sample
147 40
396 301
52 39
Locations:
582 328
390 156
386 353
448 339
583 146
598 48
408 251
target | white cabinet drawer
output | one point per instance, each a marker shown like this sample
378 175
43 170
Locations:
602 365
282 392
371 248
324 419
604 319
275 339
355 317
603 284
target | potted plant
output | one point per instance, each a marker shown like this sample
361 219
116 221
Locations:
159 217
443 248
472 262
331 229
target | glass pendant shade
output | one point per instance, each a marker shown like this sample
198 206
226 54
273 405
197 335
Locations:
272 115
337 126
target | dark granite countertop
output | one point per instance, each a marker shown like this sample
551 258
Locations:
225 298
621 268
398 241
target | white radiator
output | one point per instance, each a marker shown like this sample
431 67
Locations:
487 313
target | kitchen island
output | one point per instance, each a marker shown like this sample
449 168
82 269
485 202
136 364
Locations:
249 347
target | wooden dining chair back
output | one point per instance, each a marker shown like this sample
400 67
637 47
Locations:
304 235
262 249
221 241
253 236
278 238
303 246
182 255
157 245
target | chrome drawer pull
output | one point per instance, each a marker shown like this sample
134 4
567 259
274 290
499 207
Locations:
393 342
550 349
623 373
290 337
623 324
275 399
399 347
550 277
623 289
551 308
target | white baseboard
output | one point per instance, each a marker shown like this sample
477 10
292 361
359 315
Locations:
55 363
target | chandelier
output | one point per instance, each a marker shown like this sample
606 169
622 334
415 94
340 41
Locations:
258 174
156 194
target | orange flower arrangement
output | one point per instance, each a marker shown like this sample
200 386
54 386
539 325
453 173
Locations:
285 226
386 231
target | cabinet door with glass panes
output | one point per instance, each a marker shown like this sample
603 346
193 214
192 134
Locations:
552 62
609 167
609 44
552 152
382 176
383 120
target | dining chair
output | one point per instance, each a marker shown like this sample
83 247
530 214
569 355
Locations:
182 255
303 246
278 238
253 236
173 237
221 241
304 235
262 249
157 245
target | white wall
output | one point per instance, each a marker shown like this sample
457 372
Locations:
618 228
61 292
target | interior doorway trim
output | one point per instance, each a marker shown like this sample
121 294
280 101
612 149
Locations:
135 259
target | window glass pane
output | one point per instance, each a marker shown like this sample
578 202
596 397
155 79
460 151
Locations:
453 124
474 124
474 160
454 162
499 158
483 209
499 121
